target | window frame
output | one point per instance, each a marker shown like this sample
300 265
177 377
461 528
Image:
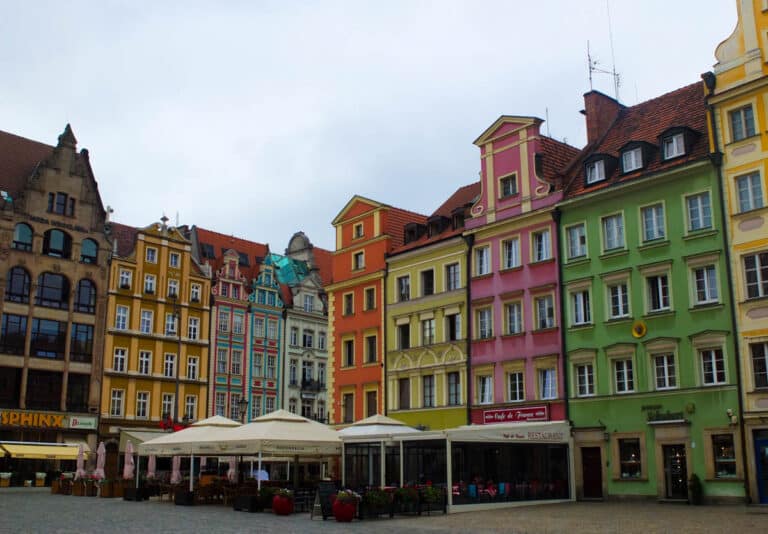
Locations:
658 231
482 260
451 277
629 375
513 260
519 322
541 236
636 154
758 288
510 178
673 146
755 194
594 171
515 378
584 381
537 301
710 288
150 255
580 250
607 226
358 260
716 381
483 380
743 121
753 357
669 379
484 323
702 212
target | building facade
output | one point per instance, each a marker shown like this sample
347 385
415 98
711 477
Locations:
737 92
517 362
426 295
158 320
647 310
366 231
55 255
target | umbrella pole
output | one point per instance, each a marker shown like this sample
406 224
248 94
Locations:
191 471
258 474
296 472
138 468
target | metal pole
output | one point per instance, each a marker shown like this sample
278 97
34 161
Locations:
191 471
258 474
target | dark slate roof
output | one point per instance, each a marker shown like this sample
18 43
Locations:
18 158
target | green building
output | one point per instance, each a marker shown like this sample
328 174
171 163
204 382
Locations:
651 364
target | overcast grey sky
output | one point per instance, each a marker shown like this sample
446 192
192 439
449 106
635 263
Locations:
260 118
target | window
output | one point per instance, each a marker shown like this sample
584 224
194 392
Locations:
255 406
454 389
358 230
348 407
508 185
585 380
619 300
293 371
224 289
151 255
48 339
174 260
404 393
427 331
484 389
321 340
510 253
81 343
484 324
699 212
482 261
294 339
371 403
629 458
89 251
308 338
349 352
658 293
190 407
309 303
403 336
580 308
173 288
713 366
170 324
673 146
516 385
271 366
224 321
121 318
452 281
724 454
349 307
57 244
270 405
237 323
292 405
307 370
145 326
17 286
192 367
664 364
358 261
169 367
545 312
61 204
756 273
547 384
653 222
234 406
370 298
220 403
271 329
125 279
370 349
453 326
145 362
613 232
85 297
705 279
118 362
258 367
258 327
742 123
750 192
149 283
22 237
116 403
595 171
194 292
52 291
624 376
142 404
14 333
221 361
514 313
632 159
321 374
541 246
168 405
577 241
428 390
403 288
427 283
759 353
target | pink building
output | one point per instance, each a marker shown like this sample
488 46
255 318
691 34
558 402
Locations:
516 355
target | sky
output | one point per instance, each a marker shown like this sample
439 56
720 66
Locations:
260 119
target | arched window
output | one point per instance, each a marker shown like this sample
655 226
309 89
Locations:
52 291
85 298
57 243
22 237
17 285
89 251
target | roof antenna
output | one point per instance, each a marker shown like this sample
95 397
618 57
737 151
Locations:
615 75
593 67
177 218
546 114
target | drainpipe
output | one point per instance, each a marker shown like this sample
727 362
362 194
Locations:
470 241
384 336
717 160
556 214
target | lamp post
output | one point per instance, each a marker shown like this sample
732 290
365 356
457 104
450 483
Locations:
243 405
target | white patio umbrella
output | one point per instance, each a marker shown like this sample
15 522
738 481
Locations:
152 466
80 472
232 472
101 460
128 467
176 470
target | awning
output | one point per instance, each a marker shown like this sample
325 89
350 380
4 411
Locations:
137 437
41 452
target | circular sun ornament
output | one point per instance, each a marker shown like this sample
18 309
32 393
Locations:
639 329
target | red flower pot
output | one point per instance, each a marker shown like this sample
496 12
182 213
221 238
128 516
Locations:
282 505
343 511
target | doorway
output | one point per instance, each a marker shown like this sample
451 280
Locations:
675 472
592 472
761 460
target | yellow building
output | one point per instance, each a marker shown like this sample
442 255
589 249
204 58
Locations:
426 319
738 95
156 346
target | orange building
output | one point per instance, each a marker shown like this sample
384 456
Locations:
366 231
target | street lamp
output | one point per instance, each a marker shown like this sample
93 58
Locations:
243 405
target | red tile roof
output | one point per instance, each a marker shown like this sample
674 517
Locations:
125 236
323 261
18 158
684 107
222 242
397 218
556 157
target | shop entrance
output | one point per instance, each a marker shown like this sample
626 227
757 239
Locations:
761 459
675 472
592 472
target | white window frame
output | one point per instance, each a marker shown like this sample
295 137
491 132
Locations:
116 402
174 260
170 324
484 318
122 316
612 227
709 355
664 371
547 378
758 288
403 288
652 222
515 386
190 407
698 213
146 322
142 405
576 236
543 304
482 260
173 287
513 312
169 365
194 292
358 260
632 159
168 406
237 323
119 359
193 368
581 312
484 389
450 279
150 255
125 278
220 404
749 191
150 283
309 303
585 379
623 370
673 146
222 360
660 290
595 171
705 284
223 320
740 126
508 179
510 253
193 327
541 245
622 299
145 362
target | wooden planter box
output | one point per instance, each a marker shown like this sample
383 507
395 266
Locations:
5 482
78 488
55 486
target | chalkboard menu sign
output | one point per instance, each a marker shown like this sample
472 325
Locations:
324 492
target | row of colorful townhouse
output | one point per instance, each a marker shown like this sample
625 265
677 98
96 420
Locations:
115 329
621 288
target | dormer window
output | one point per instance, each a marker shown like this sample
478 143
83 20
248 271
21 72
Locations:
632 159
673 145
595 171
508 185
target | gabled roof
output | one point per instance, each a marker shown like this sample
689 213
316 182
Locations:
18 158
323 262
219 243
684 107
492 130
125 237
353 202
396 220
556 157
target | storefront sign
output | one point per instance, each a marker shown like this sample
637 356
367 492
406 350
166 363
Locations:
20 418
82 422
523 414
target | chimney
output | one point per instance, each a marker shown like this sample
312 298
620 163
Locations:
600 111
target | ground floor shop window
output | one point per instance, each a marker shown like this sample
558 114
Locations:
424 462
629 458
724 454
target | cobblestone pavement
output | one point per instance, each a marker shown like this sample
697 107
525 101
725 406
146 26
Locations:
36 510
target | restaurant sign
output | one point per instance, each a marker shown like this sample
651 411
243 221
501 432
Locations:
19 418
524 414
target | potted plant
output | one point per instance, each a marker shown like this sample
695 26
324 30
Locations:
282 502
65 481
431 499
345 505
5 479
406 500
695 490
266 495
377 502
